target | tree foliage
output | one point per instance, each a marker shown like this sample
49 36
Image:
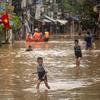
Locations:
16 24
84 9
14 20
65 5
88 16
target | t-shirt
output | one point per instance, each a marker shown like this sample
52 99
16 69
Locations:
77 50
40 68
46 34
36 35
88 38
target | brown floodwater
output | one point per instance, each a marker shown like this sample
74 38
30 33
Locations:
67 81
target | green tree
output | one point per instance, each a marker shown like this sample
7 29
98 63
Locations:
16 24
88 17
14 20
84 9
65 5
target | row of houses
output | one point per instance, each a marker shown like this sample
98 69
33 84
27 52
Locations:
45 15
34 14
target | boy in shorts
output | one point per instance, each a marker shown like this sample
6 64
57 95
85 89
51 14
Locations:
78 52
41 73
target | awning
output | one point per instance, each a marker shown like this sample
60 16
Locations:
62 22
75 18
49 18
46 20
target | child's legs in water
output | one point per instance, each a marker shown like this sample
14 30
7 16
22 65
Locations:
88 45
45 81
46 84
38 84
78 61
40 76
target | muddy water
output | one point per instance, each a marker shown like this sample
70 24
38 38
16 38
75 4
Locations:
67 81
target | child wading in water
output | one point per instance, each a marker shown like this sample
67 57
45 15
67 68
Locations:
78 52
41 73
29 48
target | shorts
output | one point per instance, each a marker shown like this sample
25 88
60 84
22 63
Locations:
46 39
78 55
41 76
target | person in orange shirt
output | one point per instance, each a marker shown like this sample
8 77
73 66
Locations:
36 35
46 35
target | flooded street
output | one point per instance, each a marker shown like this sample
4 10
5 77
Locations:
67 81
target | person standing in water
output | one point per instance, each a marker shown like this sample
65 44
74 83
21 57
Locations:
42 76
88 40
78 52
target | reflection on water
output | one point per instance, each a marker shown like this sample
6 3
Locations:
67 81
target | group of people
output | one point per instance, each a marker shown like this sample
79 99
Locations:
89 44
38 36
42 74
